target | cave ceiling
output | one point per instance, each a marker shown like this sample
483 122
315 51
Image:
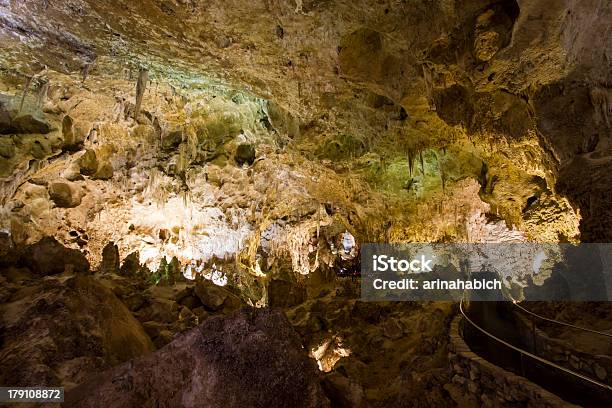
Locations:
419 110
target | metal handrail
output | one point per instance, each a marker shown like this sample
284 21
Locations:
516 303
531 355
573 326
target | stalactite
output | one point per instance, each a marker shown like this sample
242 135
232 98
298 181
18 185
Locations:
411 154
443 178
483 179
428 87
26 89
422 163
85 72
42 93
141 85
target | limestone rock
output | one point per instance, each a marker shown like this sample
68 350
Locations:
72 172
14 120
65 194
192 302
74 133
245 154
32 190
71 141
285 294
105 172
5 118
40 149
88 162
110 258
600 372
134 302
210 295
172 139
393 329
161 310
7 147
49 257
486 45
64 328
342 392
7 249
30 124
215 298
131 266
225 362
200 313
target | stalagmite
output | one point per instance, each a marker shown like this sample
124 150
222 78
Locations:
42 93
26 89
141 85
422 163
410 160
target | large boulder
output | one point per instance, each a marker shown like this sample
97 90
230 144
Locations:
252 358
13 121
17 119
64 328
88 162
49 257
215 298
29 124
104 172
65 194
72 172
74 132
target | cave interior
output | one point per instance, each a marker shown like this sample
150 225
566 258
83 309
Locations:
186 185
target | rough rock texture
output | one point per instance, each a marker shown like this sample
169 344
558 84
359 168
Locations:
217 366
104 172
88 162
110 259
7 147
376 354
57 330
239 141
49 257
214 297
16 121
245 154
411 97
65 194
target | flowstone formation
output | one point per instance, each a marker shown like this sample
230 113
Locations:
192 157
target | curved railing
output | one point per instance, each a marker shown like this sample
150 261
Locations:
531 355
573 326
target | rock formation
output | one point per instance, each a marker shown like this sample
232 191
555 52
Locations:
217 370
165 163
